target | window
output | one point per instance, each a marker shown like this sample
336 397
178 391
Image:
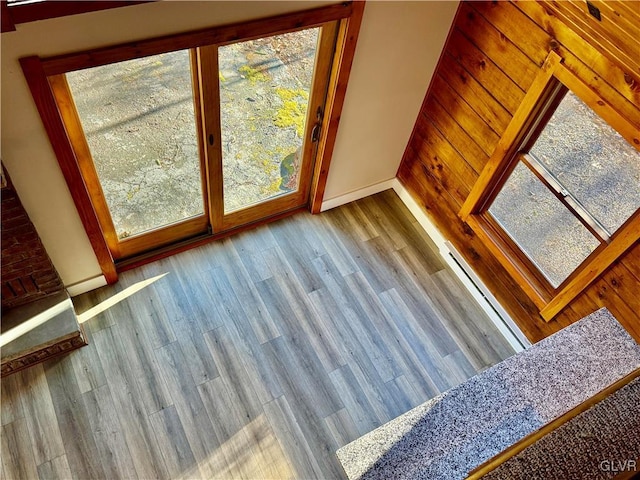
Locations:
559 200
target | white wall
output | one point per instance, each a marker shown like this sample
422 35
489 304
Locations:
398 48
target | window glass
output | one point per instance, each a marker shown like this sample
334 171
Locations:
544 229
139 122
593 162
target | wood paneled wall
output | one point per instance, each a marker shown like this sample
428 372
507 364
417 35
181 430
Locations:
492 55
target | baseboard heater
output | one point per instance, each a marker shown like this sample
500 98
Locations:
482 295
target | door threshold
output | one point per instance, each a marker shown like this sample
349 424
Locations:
197 241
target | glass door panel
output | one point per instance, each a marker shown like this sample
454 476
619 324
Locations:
265 88
140 127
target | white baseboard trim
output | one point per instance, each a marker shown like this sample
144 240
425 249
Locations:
86 285
357 194
467 276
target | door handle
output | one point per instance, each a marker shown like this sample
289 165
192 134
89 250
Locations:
315 132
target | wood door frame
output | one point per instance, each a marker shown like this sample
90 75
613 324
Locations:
38 70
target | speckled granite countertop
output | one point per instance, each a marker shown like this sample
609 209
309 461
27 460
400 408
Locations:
448 436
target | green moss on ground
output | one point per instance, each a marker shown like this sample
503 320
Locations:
293 111
254 76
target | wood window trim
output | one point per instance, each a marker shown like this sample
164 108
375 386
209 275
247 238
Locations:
497 170
51 118
38 72
16 14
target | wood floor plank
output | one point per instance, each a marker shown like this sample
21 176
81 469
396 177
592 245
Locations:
249 245
137 349
148 309
382 222
248 444
187 324
244 290
114 452
73 420
11 400
483 338
358 222
103 319
356 402
407 388
18 461
303 461
301 377
225 411
238 336
56 469
191 412
335 248
40 414
129 406
357 321
342 427
173 444
253 357
297 251
420 344
88 370
289 306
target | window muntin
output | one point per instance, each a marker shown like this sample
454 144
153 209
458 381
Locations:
542 227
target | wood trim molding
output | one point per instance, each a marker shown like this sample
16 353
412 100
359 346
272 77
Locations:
343 60
75 133
57 347
526 119
42 10
219 35
509 259
52 120
496 168
623 240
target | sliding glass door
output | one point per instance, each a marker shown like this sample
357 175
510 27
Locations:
200 140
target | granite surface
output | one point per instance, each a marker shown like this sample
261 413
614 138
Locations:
448 436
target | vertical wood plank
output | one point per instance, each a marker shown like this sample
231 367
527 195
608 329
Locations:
75 428
17 451
40 414
113 449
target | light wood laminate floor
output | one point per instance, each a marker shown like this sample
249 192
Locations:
254 357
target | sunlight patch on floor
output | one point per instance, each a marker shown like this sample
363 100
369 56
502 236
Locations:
253 452
118 297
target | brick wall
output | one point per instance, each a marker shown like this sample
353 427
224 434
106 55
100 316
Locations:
27 272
